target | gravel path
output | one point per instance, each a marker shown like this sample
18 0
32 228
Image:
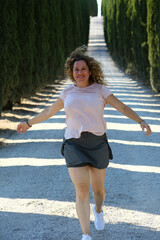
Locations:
36 194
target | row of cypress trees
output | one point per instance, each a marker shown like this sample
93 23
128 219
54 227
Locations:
36 36
132 32
93 8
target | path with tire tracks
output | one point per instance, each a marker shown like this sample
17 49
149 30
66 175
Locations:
37 198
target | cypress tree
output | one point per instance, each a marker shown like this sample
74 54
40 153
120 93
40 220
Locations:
3 49
123 31
41 10
107 12
153 29
135 31
36 37
126 35
114 33
93 8
139 38
10 58
57 52
85 21
26 38
67 26
144 71
76 22
105 19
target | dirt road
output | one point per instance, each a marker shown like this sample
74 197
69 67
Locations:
36 194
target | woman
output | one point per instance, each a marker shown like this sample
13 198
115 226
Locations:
85 147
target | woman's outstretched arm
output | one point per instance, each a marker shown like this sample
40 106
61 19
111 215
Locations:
42 116
128 112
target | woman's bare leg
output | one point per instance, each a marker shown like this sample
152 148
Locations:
81 180
97 178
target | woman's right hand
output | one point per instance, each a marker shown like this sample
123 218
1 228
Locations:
146 127
22 127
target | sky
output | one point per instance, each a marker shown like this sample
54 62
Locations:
99 7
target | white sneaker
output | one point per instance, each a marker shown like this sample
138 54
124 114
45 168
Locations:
86 237
99 219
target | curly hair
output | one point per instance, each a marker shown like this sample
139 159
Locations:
94 66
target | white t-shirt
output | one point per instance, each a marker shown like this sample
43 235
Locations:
84 109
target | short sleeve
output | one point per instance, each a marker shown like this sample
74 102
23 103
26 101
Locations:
64 92
61 96
105 92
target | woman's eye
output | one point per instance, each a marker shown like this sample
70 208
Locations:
79 70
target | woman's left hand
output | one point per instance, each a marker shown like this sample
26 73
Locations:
144 126
22 127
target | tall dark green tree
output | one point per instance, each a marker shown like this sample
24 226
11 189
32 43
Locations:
3 49
10 53
42 21
67 25
153 28
139 37
60 39
84 21
93 8
133 36
26 39
36 37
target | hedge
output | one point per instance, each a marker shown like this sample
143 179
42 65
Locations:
153 29
93 7
132 33
36 36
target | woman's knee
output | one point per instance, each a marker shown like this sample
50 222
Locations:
99 191
82 191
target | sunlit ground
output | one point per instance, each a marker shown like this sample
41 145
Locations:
54 162
46 207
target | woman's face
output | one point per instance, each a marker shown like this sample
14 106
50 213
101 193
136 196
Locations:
81 73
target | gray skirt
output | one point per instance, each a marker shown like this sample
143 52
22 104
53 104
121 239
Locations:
89 149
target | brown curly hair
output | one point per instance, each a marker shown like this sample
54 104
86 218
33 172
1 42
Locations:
94 66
